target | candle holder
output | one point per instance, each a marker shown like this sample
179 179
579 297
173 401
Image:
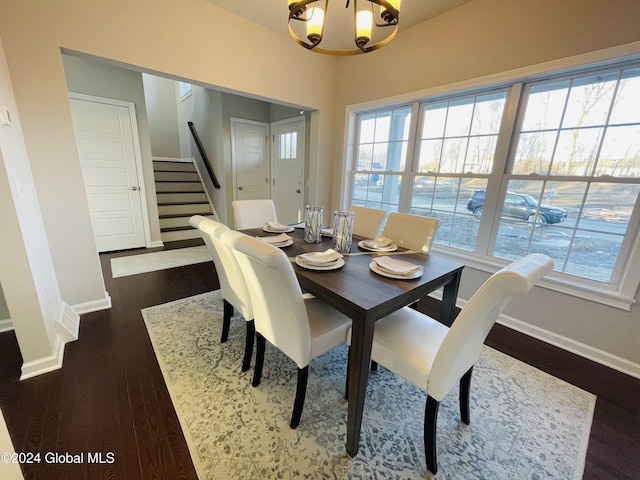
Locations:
342 230
313 224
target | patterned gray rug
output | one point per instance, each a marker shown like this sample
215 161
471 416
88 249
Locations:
525 424
150 262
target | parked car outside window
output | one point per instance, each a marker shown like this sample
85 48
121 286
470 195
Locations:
520 206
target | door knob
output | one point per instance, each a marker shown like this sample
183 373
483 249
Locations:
239 188
134 188
297 190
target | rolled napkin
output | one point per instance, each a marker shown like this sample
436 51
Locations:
277 226
275 239
380 242
395 266
326 231
318 259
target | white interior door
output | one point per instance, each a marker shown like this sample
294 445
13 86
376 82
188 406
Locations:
250 159
108 145
287 166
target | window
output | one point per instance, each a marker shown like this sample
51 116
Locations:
561 177
184 90
381 158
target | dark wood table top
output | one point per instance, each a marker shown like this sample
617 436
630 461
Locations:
355 286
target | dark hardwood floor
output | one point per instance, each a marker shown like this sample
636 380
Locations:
110 395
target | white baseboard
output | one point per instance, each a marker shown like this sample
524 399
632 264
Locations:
67 327
6 325
93 306
46 364
586 351
157 243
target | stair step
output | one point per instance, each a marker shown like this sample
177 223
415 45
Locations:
162 187
162 166
180 235
180 221
185 209
179 198
176 176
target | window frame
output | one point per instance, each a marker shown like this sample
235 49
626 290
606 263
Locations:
621 289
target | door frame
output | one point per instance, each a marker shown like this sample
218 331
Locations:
234 122
137 153
301 141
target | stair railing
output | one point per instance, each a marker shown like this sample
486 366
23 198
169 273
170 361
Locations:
205 159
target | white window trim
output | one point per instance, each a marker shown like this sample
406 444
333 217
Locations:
620 296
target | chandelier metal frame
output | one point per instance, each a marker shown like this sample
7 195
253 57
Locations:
389 19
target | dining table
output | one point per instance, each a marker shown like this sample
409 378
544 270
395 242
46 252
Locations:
365 296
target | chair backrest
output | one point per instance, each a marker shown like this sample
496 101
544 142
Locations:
253 213
411 231
232 284
461 347
367 222
280 313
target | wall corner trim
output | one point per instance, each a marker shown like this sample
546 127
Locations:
94 305
68 325
46 364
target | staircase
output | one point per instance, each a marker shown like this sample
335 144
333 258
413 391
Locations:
180 195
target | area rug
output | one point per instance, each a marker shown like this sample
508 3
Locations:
150 262
525 424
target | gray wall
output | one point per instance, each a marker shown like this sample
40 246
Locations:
162 115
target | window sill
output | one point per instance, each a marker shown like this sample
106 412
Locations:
569 285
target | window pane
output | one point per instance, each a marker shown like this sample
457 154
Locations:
576 152
446 198
453 154
459 118
377 191
620 154
480 154
545 105
589 101
625 108
487 116
534 153
367 128
434 120
430 152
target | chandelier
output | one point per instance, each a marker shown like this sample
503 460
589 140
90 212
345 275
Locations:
382 14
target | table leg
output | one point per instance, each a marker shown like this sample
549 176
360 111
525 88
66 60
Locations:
361 341
449 297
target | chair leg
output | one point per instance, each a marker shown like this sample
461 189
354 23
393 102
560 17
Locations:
257 371
226 320
301 393
430 421
465 390
248 346
346 386
374 366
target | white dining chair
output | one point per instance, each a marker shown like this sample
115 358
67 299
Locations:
367 222
411 231
253 213
434 357
234 291
301 326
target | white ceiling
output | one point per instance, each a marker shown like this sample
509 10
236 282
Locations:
273 14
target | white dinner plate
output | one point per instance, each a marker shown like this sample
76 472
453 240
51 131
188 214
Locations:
389 248
266 228
334 266
374 268
283 244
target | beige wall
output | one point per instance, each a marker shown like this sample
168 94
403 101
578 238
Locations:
486 38
204 45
